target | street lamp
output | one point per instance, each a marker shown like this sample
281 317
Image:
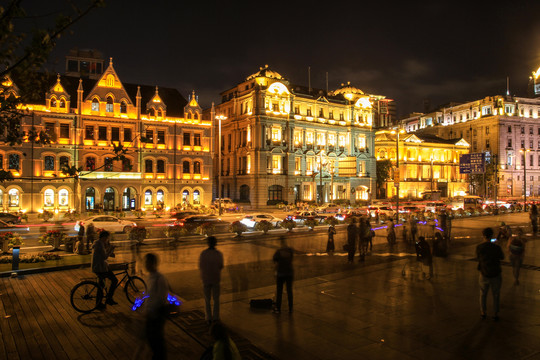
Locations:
219 118
397 132
524 152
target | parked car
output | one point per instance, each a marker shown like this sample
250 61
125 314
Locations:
301 216
191 223
328 208
10 218
381 209
353 212
106 222
5 227
435 207
226 204
252 219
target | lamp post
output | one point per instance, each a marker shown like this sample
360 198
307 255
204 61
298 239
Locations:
219 118
320 179
397 132
524 152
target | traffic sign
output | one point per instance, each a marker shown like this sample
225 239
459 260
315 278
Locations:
474 163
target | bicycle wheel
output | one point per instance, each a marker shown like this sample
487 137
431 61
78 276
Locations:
135 288
86 296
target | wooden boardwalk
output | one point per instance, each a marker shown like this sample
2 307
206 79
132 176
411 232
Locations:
38 322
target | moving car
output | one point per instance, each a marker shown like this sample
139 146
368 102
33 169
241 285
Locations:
328 208
301 216
252 219
191 223
10 218
226 204
106 222
381 209
5 227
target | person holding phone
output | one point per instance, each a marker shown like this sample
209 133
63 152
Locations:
489 256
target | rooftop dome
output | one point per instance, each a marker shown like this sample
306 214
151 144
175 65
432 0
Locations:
266 72
347 89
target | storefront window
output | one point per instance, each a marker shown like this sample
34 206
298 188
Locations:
63 197
196 197
160 197
185 196
90 198
13 197
148 197
48 197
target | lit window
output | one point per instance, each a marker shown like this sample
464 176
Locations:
62 103
53 102
48 197
63 197
321 139
276 134
13 198
197 167
160 197
95 105
110 106
148 197
361 142
196 197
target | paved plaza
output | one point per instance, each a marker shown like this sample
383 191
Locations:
364 310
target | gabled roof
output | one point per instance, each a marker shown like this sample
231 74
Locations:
109 83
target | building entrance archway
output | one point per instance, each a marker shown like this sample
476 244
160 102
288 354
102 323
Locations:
109 199
129 199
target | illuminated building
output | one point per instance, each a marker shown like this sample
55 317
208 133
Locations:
426 163
168 159
499 126
277 134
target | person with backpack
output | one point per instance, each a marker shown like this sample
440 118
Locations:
489 256
516 248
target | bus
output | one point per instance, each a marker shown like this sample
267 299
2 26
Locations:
466 202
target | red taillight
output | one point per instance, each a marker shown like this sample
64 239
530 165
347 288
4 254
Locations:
294 217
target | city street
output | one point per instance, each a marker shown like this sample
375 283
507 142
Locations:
364 310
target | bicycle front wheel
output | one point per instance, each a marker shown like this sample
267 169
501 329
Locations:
135 288
86 296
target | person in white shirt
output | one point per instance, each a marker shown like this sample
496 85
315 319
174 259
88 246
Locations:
210 265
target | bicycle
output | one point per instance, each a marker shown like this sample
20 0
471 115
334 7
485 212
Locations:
87 295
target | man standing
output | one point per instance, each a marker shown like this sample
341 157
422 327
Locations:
102 250
284 274
489 257
210 265
352 235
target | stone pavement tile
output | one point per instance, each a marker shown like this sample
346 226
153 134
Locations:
381 351
430 352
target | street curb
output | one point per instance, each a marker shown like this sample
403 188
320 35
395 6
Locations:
23 272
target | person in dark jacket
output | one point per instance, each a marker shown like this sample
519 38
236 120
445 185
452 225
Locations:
283 258
102 250
90 235
330 246
423 254
352 235
489 256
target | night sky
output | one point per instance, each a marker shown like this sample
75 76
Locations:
409 51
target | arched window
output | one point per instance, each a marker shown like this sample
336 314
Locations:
95 104
90 163
148 197
53 102
160 165
110 80
62 103
196 197
48 163
160 197
63 163
13 198
90 198
148 166
48 198
123 107
110 106
63 197
14 162
189 115
197 167
152 112
1 198
196 116
160 113
185 196
185 167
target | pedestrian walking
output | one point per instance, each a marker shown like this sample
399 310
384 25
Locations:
391 233
516 248
283 259
505 233
90 235
364 232
156 307
424 255
330 246
405 233
534 218
102 250
414 230
352 234
210 266
489 256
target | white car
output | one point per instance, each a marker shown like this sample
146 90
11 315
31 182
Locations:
328 208
106 222
251 220
226 204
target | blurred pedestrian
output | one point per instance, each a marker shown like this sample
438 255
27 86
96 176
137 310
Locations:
489 256
391 233
352 235
516 248
90 235
534 218
414 230
210 265
364 233
405 233
330 246
283 258
424 255
156 307
102 250
505 233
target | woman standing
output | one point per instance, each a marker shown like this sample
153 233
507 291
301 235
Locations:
330 247
516 248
